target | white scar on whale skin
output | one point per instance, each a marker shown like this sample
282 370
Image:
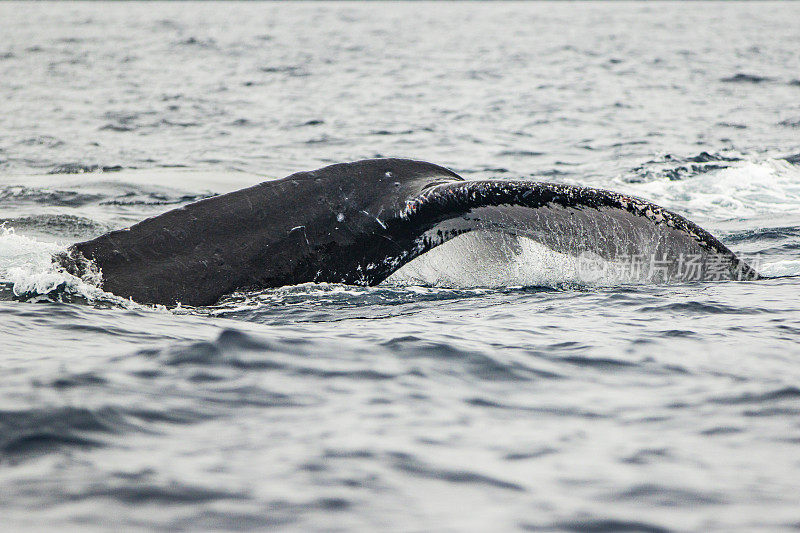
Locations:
305 235
378 220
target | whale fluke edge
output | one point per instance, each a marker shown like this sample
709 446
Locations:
357 223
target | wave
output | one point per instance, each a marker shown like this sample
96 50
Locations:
81 168
63 225
742 77
20 194
37 431
98 193
676 168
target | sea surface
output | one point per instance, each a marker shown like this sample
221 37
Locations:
400 408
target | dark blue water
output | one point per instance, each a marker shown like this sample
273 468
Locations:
400 408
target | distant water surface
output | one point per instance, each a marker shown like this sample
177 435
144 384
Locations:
336 408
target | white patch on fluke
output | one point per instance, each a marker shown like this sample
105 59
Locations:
493 259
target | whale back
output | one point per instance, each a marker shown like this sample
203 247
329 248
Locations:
359 222
279 232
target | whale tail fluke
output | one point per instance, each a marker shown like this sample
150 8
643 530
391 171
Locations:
361 222
635 238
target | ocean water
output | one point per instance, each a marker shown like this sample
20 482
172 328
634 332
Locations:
479 407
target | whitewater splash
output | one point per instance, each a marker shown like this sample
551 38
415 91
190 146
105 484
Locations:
743 189
786 268
26 267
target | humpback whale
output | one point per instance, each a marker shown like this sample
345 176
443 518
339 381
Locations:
358 222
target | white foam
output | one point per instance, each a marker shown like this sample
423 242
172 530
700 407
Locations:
27 264
746 189
790 267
